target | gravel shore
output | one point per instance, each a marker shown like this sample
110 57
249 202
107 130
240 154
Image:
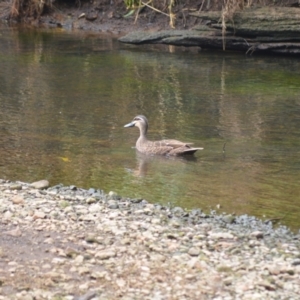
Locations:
69 243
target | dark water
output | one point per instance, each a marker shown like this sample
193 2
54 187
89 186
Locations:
64 99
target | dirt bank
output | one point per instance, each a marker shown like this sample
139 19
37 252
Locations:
248 26
103 16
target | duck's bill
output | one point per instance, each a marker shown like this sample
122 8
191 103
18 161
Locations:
129 124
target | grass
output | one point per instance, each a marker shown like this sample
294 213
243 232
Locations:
22 9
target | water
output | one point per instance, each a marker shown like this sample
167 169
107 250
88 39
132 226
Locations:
64 99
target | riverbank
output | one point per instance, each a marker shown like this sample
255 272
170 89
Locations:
269 27
70 243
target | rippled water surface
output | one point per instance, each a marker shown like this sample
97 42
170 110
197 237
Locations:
64 99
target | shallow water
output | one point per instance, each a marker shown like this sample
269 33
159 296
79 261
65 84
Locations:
64 99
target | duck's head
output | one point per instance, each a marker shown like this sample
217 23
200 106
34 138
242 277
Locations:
139 121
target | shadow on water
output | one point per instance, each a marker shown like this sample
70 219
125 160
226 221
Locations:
64 99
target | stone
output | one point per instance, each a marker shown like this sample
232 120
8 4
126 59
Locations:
221 235
229 219
136 200
105 254
90 200
15 186
7 215
257 234
194 251
178 211
296 262
41 184
113 196
112 204
17 199
79 259
175 223
39 215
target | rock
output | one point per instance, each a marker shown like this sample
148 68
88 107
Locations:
91 239
17 199
221 235
155 221
112 204
136 200
261 29
49 241
15 186
90 200
88 217
229 219
257 234
91 191
91 16
296 262
72 253
79 259
7 215
41 184
39 215
178 211
113 196
194 251
105 254
267 285
87 296
175 223
158 257
15 232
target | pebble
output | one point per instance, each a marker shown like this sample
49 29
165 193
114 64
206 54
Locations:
257 234
112 204
194 251
41 184
17 200
106 254
62 241
39 215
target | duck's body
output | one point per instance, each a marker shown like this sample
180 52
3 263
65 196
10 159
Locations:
164 147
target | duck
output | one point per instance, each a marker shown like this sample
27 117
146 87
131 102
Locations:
163 147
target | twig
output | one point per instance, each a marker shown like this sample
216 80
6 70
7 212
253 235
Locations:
138 11
201 6
273 220
146 4
276 219
251 49
224 147
171 15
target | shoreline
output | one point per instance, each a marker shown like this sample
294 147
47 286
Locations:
68 242
271 28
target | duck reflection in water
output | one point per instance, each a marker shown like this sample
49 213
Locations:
165 163
163 147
